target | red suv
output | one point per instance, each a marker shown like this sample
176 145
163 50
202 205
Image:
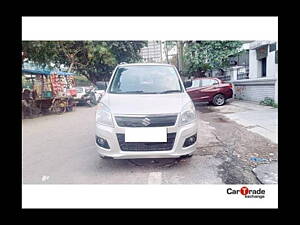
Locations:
211 90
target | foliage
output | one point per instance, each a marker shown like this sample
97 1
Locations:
82 81
269 102
41 52
93 59
202 56
126 51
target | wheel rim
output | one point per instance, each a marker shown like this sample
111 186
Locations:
220 100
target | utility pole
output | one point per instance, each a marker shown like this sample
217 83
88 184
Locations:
166 51
161 57
180 55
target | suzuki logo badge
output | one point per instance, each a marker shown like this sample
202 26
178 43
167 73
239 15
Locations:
146 122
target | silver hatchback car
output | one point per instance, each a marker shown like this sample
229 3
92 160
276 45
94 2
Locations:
145 113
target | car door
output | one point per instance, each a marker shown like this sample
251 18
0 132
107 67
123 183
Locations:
208 88
193 91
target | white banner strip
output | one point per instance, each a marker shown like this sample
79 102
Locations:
149 28
149 196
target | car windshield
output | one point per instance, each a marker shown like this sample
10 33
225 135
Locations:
148 79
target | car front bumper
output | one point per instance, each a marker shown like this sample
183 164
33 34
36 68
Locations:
110 134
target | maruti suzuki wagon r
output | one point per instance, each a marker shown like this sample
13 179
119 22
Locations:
145 113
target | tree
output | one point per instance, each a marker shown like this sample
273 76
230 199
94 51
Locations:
201 56
168 45
126 51
93 59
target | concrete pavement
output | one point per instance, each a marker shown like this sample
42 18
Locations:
260 119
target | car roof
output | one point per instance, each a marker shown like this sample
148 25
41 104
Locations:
144 64
199 78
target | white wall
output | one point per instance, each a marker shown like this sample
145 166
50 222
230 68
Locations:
271 70
257 88
255 93
253 64
276 77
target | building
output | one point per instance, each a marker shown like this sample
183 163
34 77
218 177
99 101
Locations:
255 72
153 52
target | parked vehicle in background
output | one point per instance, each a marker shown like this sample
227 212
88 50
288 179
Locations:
212 90
86 96
100 89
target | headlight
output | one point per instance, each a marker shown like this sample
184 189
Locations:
103 116
188 114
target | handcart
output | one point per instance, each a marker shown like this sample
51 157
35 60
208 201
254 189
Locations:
52 92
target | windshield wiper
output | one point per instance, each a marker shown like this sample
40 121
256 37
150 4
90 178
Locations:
138 92
130 92
169 91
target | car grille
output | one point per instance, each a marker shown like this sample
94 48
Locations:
146 121
146 146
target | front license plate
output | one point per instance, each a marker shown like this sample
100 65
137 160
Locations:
149 134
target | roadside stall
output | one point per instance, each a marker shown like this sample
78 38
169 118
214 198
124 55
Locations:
50 92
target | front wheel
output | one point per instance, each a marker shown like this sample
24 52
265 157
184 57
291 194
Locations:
219 100
186 156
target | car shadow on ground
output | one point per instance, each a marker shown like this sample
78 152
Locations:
153 163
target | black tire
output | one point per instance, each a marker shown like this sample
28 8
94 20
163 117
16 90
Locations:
104 157
219 100
187 156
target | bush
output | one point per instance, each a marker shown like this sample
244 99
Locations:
82 81
268 102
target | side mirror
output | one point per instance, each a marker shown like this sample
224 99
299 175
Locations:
187 84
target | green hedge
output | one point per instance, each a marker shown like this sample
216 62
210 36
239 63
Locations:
82 81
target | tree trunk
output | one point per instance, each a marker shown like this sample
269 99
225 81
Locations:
71 66
180 55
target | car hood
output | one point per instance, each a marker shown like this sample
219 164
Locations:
145 103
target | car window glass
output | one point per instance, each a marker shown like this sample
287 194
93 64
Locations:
195 83
79 90
207 82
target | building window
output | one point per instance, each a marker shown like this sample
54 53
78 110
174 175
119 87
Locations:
263 67
243 73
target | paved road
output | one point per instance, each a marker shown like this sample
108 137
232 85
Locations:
260 119
59 149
